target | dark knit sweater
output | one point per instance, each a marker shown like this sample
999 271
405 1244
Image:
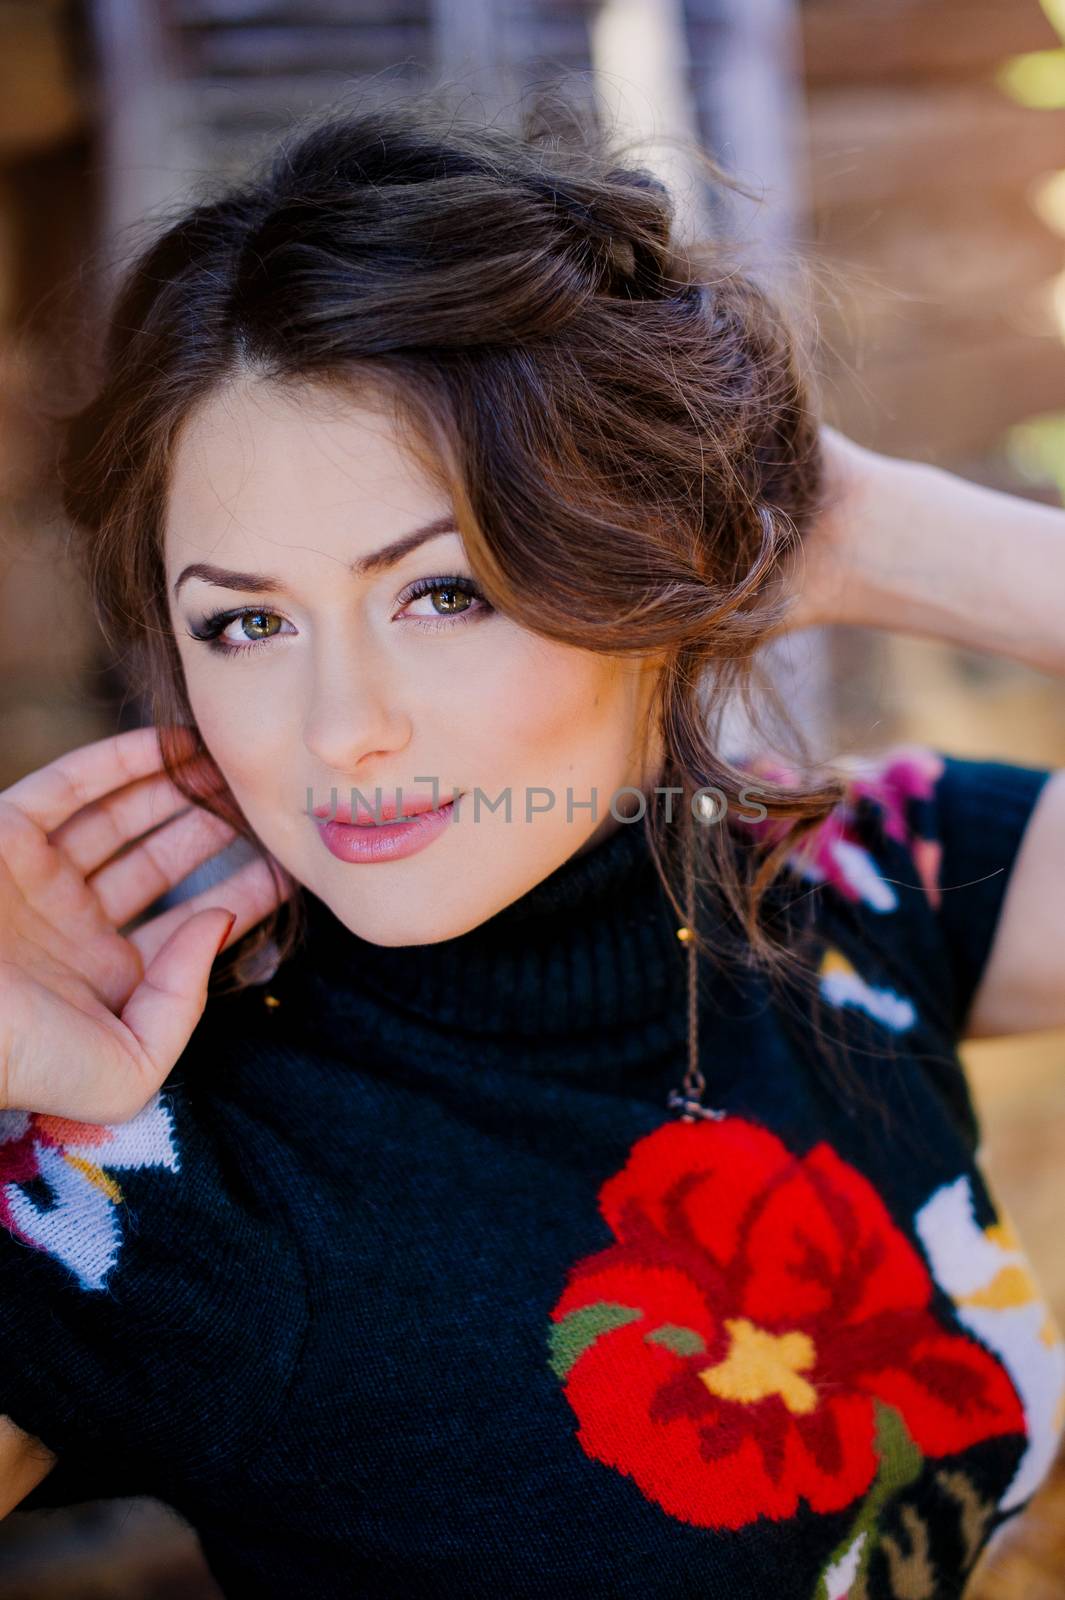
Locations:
409 1283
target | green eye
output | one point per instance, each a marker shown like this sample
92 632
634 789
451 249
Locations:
256 626
250 622
452 598
457 595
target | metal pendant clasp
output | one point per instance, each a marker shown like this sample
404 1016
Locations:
680 1102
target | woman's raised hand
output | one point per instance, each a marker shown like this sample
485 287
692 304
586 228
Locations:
823 572
92 1020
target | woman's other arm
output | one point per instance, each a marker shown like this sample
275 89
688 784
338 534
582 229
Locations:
1022 987
914 549
24 1461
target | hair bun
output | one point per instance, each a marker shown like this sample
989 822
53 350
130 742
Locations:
627 220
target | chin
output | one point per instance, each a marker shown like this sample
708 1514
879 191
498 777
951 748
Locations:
394 927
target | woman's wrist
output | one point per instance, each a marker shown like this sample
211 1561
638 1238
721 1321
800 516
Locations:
912 548
895 545
830 576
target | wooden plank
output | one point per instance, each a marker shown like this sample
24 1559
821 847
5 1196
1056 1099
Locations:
923 256
866 335
227 34
238 106
40 101
306 13
269 51
949 404
874 145
866 41
870 333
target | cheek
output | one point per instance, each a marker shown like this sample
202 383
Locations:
549 706
242 729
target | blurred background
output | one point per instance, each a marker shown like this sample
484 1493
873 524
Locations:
915 147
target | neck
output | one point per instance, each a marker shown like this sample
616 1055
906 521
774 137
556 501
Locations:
590 951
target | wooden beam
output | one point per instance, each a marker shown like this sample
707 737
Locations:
868 41
40 99
952 400
875 145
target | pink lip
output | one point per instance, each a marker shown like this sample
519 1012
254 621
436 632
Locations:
389 811
386 841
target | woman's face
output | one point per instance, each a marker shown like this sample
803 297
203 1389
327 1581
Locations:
331 677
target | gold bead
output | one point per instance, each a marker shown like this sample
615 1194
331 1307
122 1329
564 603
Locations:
271 1000
684 934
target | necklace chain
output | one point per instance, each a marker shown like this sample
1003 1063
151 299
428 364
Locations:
688 1100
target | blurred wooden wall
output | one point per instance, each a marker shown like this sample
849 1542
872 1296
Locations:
49 699
921 172
940 337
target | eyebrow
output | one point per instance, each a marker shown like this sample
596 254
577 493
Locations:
379 561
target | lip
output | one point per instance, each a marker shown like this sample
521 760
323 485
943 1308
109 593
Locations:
389 812
385 841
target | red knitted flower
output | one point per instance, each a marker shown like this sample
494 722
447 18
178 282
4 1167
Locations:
731 1351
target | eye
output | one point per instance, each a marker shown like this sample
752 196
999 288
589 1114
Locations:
258 626
455 609
460 603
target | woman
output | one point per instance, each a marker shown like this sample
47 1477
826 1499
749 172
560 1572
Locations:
574 1189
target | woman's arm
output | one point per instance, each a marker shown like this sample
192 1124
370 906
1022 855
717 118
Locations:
1022 987
912 548
24 1461
915 549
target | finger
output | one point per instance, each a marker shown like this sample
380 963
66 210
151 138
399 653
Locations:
122 1060
55 792
249 891
127 885
99 830
166 1005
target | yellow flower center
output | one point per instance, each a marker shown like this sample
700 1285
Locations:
760 1363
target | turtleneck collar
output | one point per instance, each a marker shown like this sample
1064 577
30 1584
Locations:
591 946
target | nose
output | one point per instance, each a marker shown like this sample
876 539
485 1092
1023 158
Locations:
354 709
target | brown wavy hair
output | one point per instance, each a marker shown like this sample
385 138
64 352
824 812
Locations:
624 425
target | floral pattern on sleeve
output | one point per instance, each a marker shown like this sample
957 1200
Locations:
843 985
79 1226
834 853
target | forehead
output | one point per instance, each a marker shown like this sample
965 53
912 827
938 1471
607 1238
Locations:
257 460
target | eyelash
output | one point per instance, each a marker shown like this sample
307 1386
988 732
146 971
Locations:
210 628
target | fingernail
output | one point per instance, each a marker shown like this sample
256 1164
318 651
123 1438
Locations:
226 932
